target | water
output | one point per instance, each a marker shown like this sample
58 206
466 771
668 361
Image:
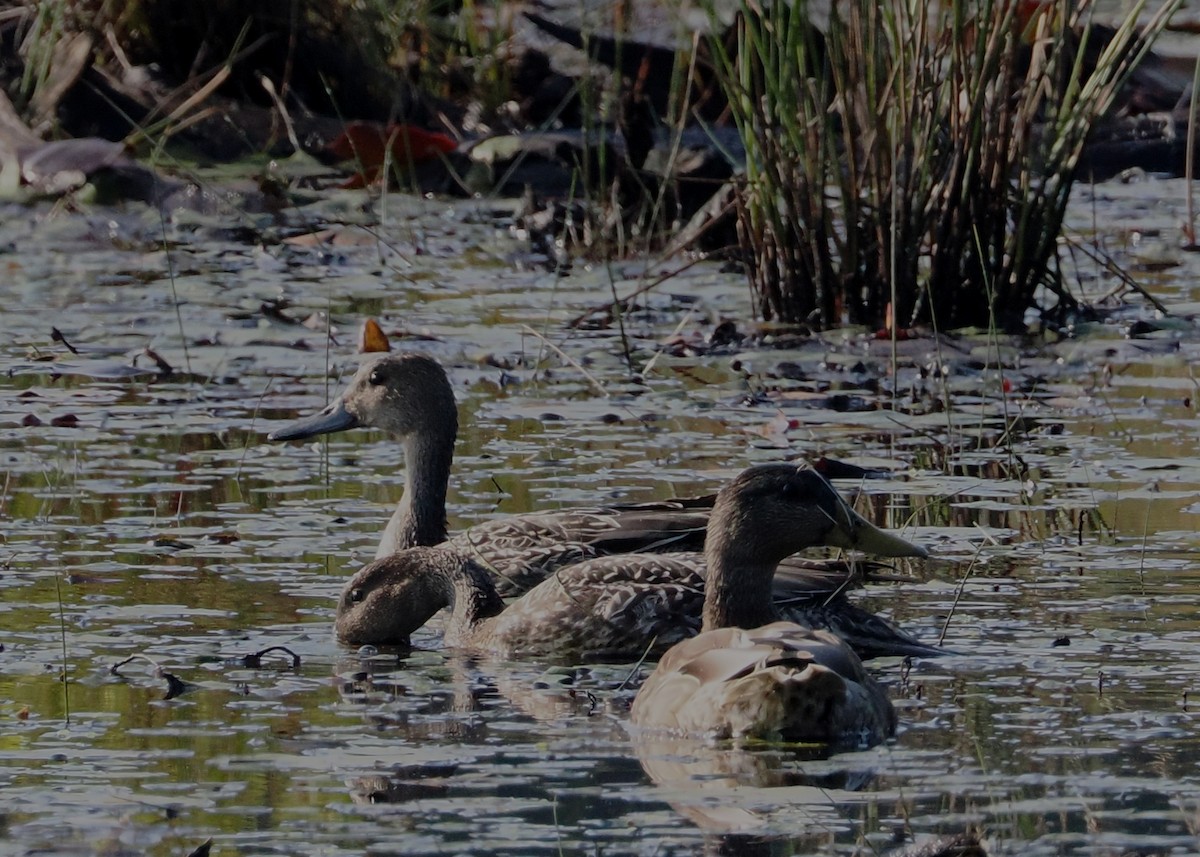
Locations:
154 521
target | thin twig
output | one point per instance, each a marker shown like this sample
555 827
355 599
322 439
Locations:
1113 268
641 290
115 669
568 358
637 666
958 593
687 316
62 627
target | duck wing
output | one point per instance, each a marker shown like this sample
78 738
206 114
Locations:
523 550
627 605
609 608
868 634
812 593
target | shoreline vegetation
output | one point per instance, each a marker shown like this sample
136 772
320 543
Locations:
870 164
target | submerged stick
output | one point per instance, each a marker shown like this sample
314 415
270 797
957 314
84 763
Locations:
638 665
254 661
958 593
62 626
638 292
568 358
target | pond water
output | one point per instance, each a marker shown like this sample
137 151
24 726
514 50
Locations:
144 516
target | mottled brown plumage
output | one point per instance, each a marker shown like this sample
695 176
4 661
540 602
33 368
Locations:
748 674
611 607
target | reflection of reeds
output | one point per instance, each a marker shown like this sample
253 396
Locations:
62 630
914 161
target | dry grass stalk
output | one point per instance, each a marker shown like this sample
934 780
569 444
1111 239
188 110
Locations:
913 161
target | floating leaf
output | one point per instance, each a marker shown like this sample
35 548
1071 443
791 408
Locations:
775 430
372 338
372 146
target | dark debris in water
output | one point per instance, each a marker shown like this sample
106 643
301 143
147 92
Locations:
202 850
255 660
960 845
175 686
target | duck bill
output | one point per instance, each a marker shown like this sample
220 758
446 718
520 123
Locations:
852 530
334 418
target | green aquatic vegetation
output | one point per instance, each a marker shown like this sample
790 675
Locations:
905 154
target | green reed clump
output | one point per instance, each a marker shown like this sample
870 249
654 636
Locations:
454 50
912 162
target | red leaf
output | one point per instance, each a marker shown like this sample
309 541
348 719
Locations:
371 145
372 338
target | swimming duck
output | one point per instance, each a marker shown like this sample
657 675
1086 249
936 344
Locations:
750 674
409 396
623 606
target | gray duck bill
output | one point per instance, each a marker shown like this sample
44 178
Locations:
333 419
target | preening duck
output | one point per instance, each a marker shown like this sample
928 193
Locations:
623 606
749 674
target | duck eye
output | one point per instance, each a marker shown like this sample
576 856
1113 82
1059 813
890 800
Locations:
791 491
375 379
356 595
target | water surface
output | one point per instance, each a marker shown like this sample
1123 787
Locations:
144 515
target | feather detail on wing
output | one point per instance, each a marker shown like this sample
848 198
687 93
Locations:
625 606
524 550
615 607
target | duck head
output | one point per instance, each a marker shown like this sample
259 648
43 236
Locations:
402 394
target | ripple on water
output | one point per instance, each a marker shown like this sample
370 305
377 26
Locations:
162 526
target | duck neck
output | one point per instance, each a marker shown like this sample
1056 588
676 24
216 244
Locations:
420 516
472 599
737 592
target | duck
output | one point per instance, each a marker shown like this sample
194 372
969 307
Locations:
408 395
619 607
751 673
